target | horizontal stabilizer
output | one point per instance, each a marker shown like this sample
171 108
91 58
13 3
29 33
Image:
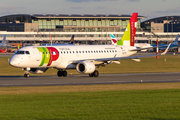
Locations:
136 60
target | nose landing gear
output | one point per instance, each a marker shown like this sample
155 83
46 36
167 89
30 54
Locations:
26 75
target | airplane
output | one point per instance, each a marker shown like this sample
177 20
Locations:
145 45
84 58
3 43
173 44
71 42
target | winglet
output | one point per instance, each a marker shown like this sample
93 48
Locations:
166 50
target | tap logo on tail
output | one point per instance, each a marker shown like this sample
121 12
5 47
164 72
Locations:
130 32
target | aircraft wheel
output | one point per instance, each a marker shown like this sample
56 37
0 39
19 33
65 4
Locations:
26 75
59 73
95 73
64 73
91 75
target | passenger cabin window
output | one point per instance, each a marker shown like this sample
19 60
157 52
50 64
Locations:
54 53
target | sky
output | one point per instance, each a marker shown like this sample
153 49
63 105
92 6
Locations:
147 8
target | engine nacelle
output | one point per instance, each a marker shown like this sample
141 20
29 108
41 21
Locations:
38 70
85 67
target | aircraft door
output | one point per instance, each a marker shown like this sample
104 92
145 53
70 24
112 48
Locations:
37 54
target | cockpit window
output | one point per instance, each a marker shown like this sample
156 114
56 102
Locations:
22 52
27 52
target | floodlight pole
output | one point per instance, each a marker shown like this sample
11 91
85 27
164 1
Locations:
157 50
51 39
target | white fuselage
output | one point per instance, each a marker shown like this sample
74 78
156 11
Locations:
62 57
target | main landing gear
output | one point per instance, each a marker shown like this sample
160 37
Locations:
94 74
61 73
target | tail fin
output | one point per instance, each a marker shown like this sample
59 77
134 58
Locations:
113 39
128 38
175 43
4 40
72 40
18 47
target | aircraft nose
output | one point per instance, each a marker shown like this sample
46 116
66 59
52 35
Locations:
13 62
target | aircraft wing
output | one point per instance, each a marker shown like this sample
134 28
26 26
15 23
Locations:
147 48
105 60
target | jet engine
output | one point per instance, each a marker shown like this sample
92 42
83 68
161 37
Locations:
38 70
85 67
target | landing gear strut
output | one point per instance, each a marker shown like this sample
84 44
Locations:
94 74
61 73
26 75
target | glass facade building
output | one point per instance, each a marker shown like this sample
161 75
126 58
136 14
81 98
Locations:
68 23
162 24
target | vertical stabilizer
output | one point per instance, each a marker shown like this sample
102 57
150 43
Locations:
113 39
128 38
4 40
72 40
175 43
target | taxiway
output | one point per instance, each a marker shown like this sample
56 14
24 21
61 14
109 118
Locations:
86 80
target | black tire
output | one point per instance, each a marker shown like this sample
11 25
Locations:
95 73
59 73
26 75
64 73
91 75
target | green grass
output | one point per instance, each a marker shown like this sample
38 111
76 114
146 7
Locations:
150 64
102 105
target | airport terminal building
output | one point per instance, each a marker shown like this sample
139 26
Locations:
65 23
40 28
36 27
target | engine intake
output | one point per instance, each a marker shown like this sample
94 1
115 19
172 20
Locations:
85 67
